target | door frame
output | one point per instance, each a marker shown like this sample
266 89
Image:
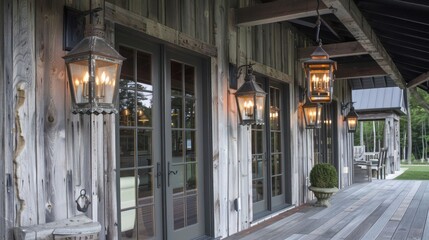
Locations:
286 149
127 36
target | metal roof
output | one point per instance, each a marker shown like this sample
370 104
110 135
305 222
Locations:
389 99
371 82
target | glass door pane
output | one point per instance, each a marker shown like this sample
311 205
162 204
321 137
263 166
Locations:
268 155
161 144
138 161
259 170
185 198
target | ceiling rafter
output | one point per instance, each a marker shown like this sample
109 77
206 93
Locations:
418 80
344 49
277 11
350 15
358 70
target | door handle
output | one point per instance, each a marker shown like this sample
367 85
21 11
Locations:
158 175
170 172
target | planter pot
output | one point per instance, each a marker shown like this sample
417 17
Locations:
323 195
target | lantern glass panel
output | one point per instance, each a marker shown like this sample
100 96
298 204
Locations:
312 116
246 104
260 108
319 80
80 80
352 122
105 81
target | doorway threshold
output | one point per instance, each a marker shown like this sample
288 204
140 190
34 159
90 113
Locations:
272 215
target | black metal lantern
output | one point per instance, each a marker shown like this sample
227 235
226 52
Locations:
352 119
250 100
319 72
312 114
93 68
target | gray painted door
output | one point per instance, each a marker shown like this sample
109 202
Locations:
184 147
161 143
269 154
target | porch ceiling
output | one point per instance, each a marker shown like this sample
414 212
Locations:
389 38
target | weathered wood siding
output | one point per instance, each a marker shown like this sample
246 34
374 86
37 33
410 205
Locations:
342 94
3 180
193 17
220 69
23 113
7 117
46 148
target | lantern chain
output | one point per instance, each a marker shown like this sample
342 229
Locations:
318 23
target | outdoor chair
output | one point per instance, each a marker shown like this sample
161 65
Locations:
361 167
379 164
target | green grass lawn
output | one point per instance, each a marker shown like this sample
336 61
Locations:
415 173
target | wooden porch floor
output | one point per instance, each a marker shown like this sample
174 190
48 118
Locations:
382 209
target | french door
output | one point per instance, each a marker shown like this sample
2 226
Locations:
270 181
160 143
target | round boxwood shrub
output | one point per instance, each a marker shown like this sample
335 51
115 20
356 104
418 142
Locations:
323 175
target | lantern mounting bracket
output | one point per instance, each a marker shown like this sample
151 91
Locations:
240 69
74 26
344 106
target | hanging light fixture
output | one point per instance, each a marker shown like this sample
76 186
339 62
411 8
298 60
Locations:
319 71
250 99
93 68
312 114
351 118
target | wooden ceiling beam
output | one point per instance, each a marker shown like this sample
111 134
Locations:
358 70
277 11
350 15
344 49
418 80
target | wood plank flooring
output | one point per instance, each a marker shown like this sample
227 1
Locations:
382 209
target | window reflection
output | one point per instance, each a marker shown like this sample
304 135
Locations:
135 140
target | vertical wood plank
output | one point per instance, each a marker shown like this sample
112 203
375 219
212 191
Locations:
188 23
234 176
110 181
277 46
220 108
258 44
3 115
201 20
139 7
153 11
9 119
172 14
110 197
24 109
50 91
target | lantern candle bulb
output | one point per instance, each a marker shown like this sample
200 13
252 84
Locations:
248 108
100 86
82 86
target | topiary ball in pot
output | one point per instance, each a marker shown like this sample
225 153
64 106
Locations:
323 175
324 181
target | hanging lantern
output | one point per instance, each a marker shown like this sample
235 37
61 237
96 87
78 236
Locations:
93 68
251 100
352 119
319 72
312 114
